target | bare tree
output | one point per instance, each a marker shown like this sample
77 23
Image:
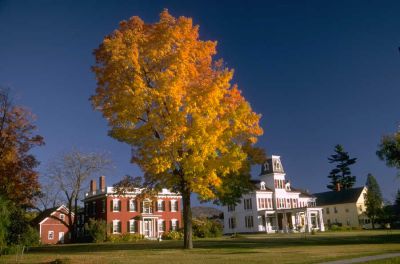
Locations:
70 173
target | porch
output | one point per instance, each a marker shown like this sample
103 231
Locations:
291 220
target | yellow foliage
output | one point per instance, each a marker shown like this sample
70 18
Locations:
162 93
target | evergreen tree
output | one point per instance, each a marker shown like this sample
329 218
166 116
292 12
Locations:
373 200
341 174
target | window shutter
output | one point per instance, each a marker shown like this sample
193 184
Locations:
170 206
170 225
111 206
136 226
177 224
177 205
127 205
128 226
119 205
155 206
164 225
163 205
111 227
141 206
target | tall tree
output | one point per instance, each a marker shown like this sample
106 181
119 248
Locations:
389 150
18 177
163 93
374 200
341 175
71 173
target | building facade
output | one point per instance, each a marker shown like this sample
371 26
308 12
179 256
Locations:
345 207
52 224
274 206
131 212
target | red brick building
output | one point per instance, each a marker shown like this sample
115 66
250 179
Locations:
52 230
129 213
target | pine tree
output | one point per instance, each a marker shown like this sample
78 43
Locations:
373 199
340 176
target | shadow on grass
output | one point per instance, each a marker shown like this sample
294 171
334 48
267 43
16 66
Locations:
224 243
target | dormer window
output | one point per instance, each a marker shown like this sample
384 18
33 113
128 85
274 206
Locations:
262 186
277 165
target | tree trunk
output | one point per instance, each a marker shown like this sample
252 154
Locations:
74 225
187 220
373 222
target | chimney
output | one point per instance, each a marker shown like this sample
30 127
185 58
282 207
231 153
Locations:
102 183
92 186
338 186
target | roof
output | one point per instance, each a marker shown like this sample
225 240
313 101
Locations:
302 192
341 197
47 213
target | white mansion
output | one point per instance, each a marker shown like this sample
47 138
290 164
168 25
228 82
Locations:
274 206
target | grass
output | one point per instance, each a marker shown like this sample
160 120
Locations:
257 248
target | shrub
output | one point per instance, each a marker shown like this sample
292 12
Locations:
172 235
203 227
97 230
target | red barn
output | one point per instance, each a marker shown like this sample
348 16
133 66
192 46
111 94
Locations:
52 230
129 213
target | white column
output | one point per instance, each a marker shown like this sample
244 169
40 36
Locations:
308 219
321 221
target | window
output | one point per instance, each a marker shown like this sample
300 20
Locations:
348 222
231 208
147 209
161 225
132 205
327 210
50 235
93 207
116 205
103 206
174 224
347 210
132 226
160 205
248 220
116 226
335 210
174 206
247 204
62 217
232 222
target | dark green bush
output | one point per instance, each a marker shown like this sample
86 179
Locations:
97 230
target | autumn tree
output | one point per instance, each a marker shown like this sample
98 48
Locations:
70 174
162 92
389 150
340 176
18 177
373 200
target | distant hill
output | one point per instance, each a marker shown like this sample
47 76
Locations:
205 211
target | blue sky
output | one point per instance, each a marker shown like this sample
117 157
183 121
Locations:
320 73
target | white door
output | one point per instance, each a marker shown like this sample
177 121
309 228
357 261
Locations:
61 237
148 228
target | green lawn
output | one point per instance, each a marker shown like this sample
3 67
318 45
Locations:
258 248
